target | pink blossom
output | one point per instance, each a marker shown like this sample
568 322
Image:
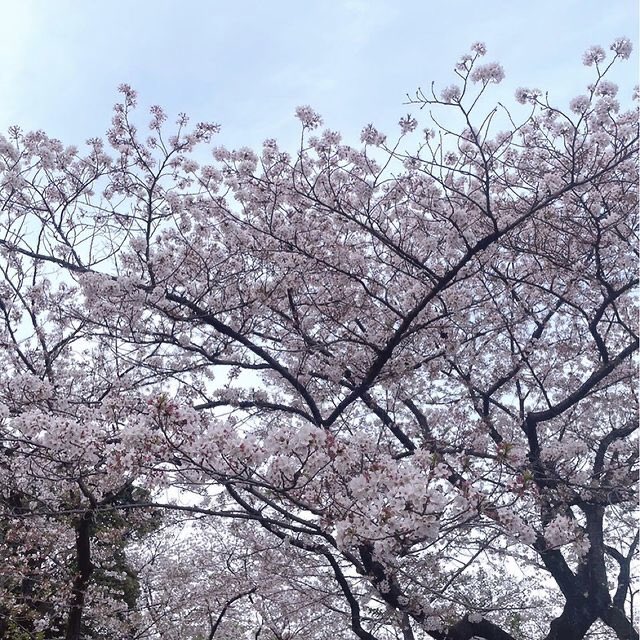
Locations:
622 47
130 95
492 72
451 94
204 131
190 166
524 96
370 135
464 62
221 154
450 158
330 138
606 88
407 124
310 119
479 47
579 104
159 117
559 531
593 55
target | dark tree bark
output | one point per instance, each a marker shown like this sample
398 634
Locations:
81 581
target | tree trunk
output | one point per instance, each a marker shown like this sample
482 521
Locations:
81 581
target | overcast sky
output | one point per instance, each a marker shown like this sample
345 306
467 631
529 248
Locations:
247 64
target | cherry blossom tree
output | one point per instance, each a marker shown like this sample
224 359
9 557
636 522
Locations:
64 397
379 391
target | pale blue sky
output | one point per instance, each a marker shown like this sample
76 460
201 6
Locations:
246 64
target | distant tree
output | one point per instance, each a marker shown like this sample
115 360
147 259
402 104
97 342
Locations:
381 393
